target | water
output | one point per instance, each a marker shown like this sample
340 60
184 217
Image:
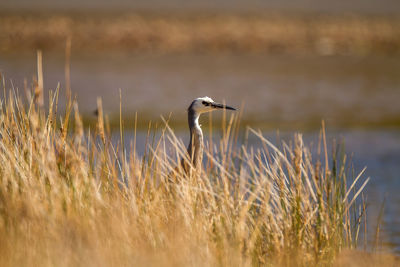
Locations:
357 96
359 6
288 91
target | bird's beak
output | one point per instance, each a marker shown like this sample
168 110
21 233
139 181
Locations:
217 105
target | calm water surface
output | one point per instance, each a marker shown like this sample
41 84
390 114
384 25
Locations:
359 6
275 90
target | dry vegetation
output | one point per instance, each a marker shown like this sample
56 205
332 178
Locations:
71 197
270 33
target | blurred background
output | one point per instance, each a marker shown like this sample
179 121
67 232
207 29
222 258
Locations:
288 64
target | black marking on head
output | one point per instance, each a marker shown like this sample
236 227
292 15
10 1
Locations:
205 103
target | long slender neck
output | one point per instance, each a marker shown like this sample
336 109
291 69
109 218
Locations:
195 148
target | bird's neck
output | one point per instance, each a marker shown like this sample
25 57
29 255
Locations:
193 120
195 148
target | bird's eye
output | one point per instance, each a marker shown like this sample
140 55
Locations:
206 103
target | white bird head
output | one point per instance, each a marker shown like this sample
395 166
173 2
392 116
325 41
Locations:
205 104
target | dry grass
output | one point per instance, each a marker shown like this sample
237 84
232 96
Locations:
70 197
270 33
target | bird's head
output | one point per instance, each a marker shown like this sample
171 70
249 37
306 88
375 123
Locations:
205 104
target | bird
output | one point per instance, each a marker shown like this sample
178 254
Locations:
195 148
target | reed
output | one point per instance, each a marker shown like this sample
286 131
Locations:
71 197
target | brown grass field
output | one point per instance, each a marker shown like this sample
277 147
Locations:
159 32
